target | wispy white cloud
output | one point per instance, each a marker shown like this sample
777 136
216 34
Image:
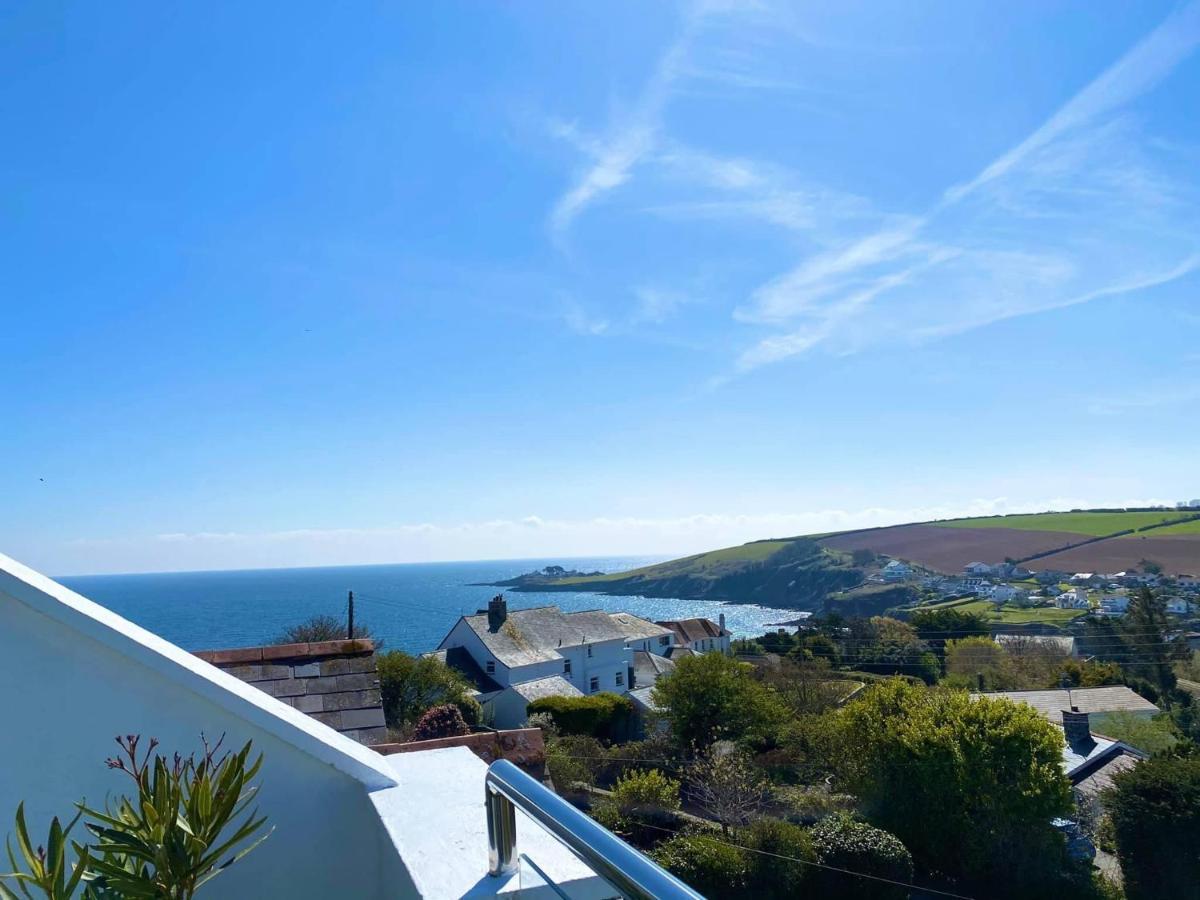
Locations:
1077 211
521 537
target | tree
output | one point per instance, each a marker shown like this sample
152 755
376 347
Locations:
320 628
862 557
936 626
980 660
1155 811
1151 654
967 784
728 788
713 697
412 684
887 646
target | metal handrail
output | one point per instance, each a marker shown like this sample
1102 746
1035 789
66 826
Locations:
635 875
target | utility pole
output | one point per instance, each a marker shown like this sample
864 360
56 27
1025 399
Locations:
350 622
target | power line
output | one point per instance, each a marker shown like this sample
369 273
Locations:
808 862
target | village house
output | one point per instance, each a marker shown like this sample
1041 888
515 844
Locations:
348 821
1094 700
978 568
1077 598
1114 604
896 571
531 653
1003 593
1178 606
700 635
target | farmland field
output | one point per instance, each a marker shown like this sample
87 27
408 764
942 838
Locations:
1091 524
1177 553
1192 527
949 549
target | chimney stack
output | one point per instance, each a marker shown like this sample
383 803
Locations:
1075 724
721 622
497 612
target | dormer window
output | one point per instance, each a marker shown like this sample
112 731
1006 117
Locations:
491 667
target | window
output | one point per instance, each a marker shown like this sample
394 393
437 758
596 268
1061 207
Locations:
589 649
664 641
491 667
620 678
594 684
566 667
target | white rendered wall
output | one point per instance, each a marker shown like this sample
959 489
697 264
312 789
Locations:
67 695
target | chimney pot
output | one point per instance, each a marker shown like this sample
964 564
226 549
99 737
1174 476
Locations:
497 612
1076 727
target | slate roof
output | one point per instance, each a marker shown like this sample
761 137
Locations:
460 659
1090 766
649 667
641 697
688 630
1099 779
1112 698
550 686
335 682
676 652
529 636
636 628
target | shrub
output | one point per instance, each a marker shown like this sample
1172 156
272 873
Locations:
187 824
574 758
470 708
319 628
440 722
716 870
605 716
780 867
412 684
844 843
638 797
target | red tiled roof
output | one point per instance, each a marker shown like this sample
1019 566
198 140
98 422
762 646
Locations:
688 630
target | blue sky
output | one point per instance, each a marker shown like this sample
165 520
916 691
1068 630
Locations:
289 284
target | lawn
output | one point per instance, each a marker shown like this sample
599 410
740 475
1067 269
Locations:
1092 524
1011 615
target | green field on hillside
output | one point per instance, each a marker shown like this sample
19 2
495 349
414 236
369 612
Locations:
1192 527
1092 524
1011 615
758 551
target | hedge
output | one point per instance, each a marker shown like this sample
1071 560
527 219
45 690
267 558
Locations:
605 716
844 843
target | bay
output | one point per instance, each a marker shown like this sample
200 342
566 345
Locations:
410 606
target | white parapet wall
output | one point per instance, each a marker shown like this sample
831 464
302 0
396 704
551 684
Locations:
75 675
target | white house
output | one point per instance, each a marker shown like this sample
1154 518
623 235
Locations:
348 821
642 634
1003 593
700 635
1076 598
896 570
1114 604
978 568
1178 606
568 654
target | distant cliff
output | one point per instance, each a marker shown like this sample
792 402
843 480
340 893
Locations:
795 574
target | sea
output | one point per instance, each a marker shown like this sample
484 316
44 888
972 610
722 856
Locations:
409 606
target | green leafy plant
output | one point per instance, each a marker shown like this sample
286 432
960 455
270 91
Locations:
172 840
164 845
46 867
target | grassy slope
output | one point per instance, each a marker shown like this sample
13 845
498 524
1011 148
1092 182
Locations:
1092 524
1010 615
701 564
1182 528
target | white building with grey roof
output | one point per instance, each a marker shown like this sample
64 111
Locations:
566 654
